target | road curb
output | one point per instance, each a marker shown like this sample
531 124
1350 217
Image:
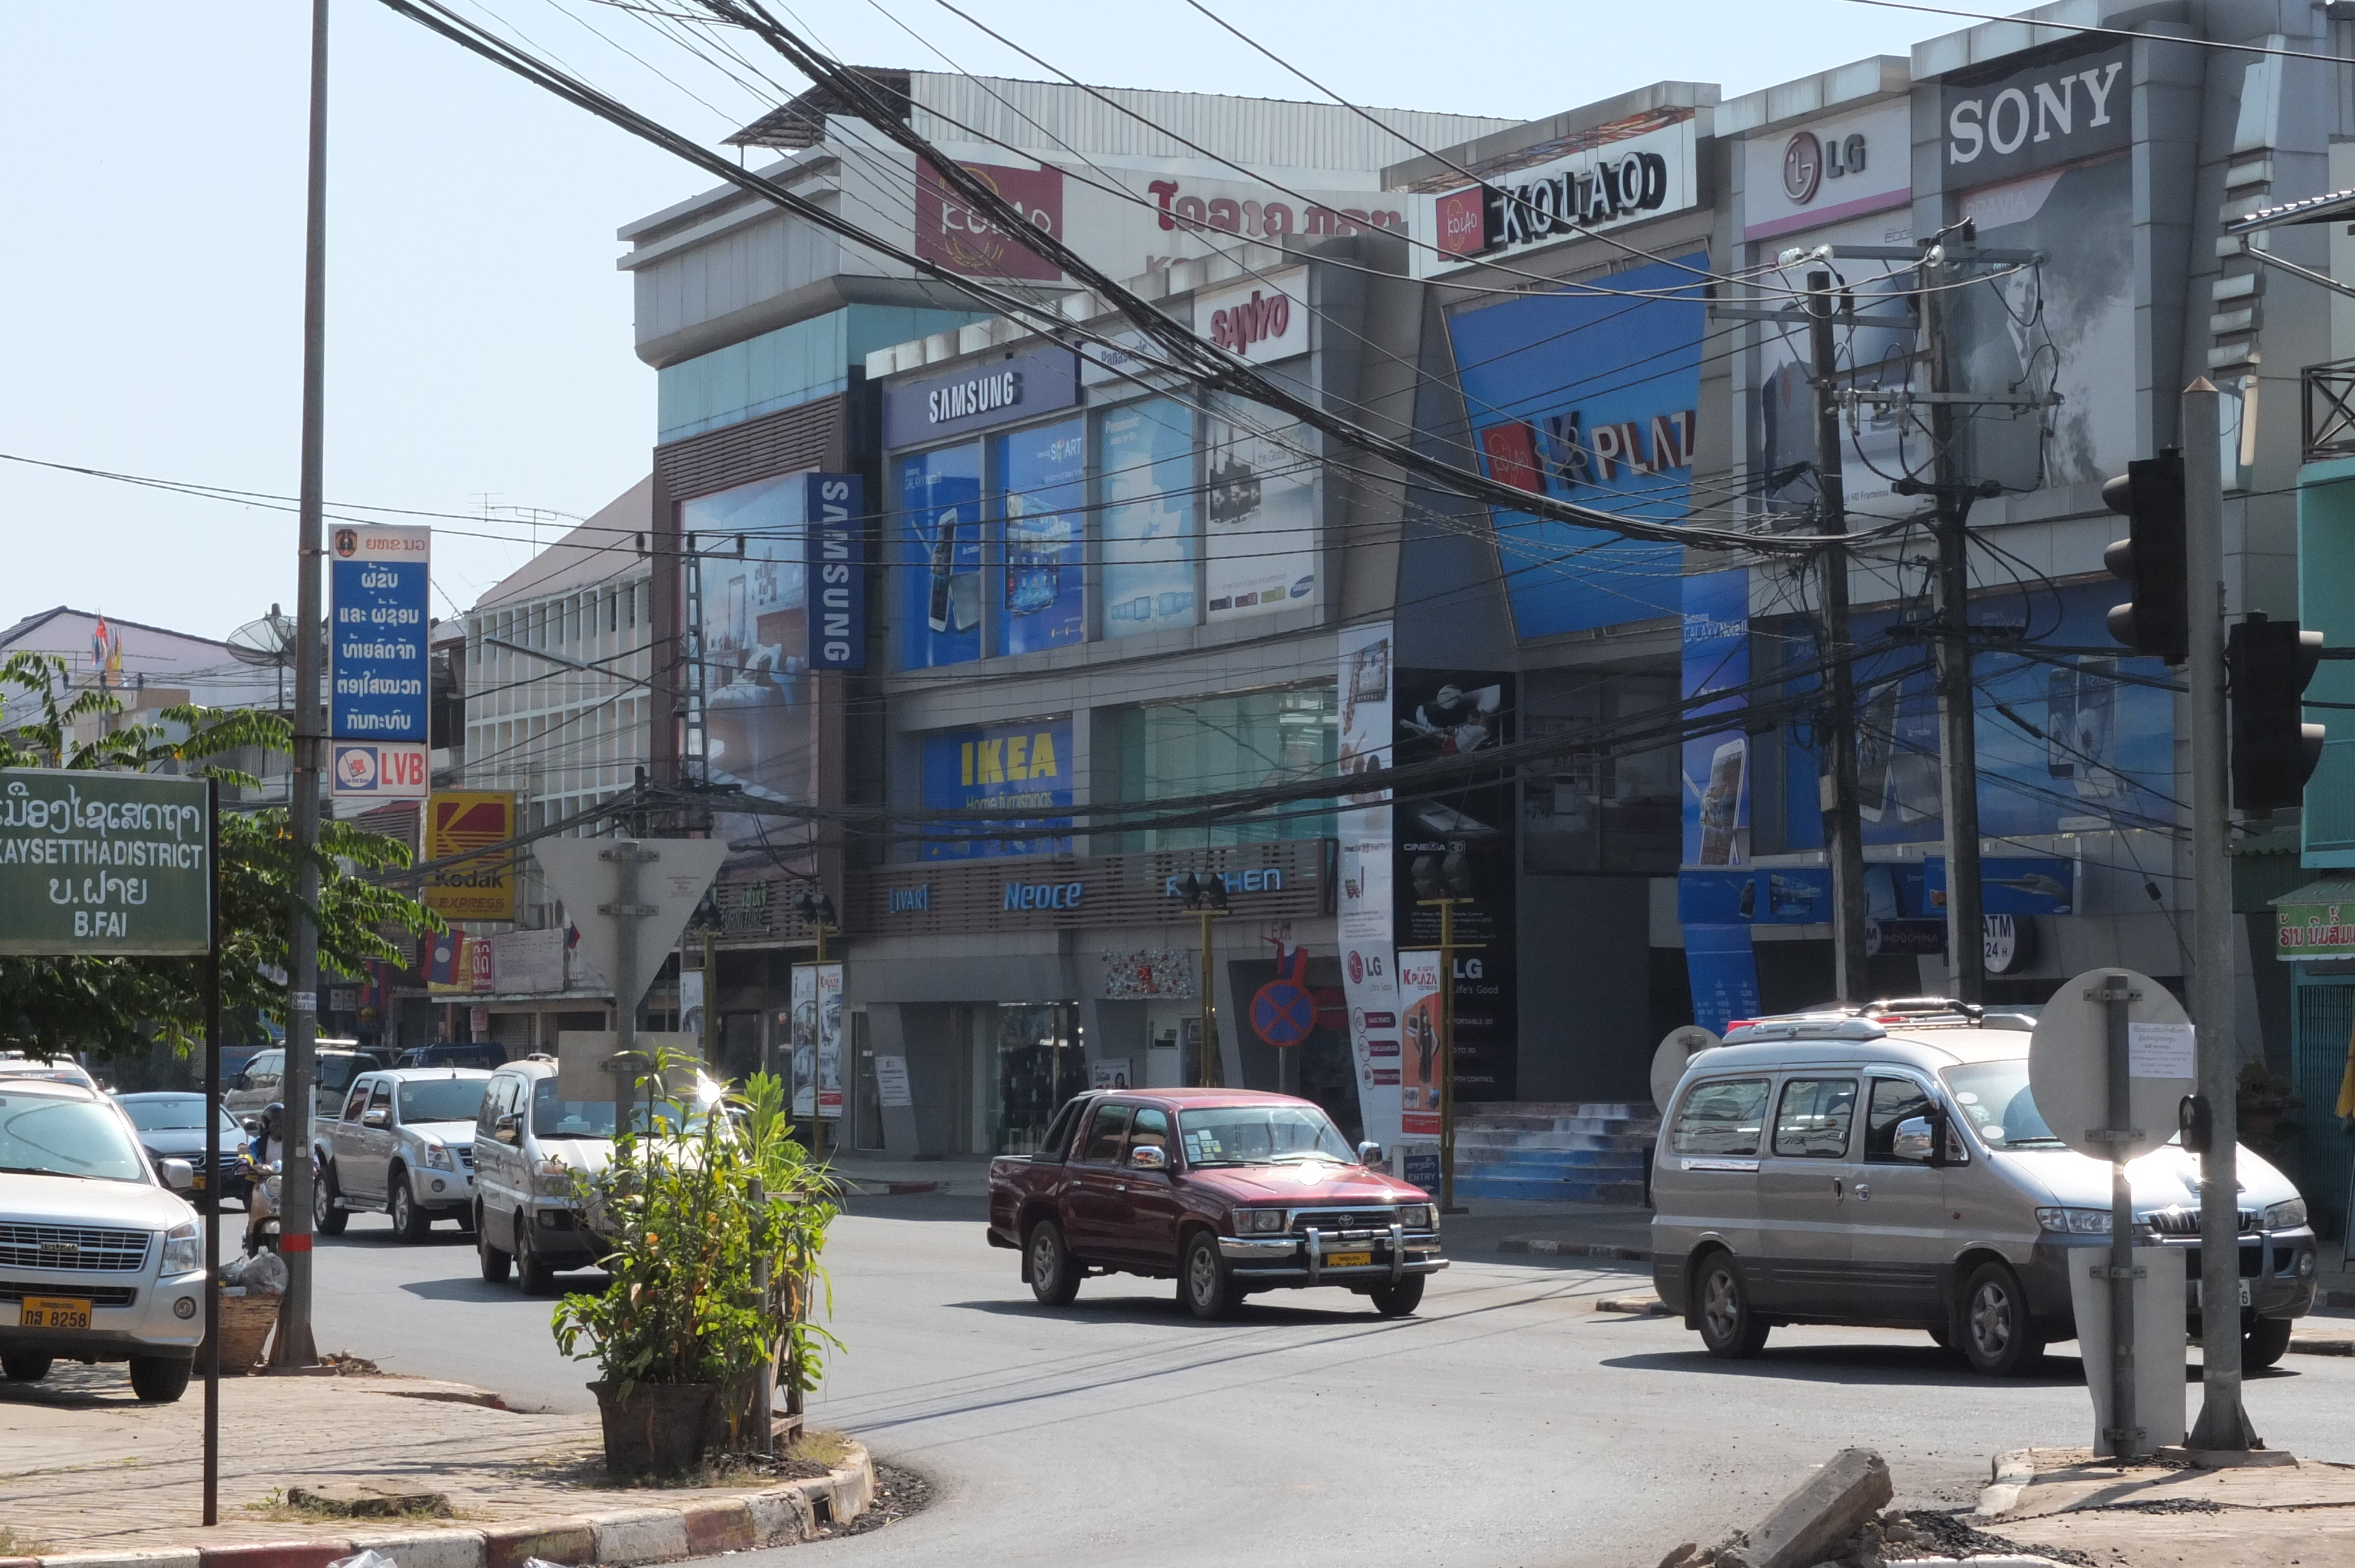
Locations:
1547 1248
779 1516
2007 1476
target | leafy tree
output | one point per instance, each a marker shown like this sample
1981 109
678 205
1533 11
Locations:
103 1004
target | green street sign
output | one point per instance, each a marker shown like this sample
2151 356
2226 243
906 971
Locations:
99 864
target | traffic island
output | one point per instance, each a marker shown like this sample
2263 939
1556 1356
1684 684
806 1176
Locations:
317 1468
2162 1514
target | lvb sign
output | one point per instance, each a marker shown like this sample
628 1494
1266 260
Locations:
99 864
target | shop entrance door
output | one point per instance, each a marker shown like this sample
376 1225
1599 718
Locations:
1041 1061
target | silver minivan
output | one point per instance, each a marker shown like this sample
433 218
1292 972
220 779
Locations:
1828 1168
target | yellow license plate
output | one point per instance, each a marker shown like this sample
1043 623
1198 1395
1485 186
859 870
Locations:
1348 1259
54 1312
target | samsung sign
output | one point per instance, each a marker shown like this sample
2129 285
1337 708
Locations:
1999 127
837 562
988 393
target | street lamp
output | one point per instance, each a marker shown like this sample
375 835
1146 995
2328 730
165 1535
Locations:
1206 898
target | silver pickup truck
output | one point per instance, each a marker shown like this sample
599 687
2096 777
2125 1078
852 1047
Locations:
402 1143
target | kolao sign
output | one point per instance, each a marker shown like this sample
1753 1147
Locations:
97 865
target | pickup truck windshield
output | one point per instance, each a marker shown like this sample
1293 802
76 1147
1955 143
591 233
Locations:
445 1099
44 1136
1261 1135
1996 1096
337 1070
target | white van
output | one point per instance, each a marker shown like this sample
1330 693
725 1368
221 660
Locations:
1829 1169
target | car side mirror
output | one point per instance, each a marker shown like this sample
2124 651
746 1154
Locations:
379 1116
1369 1153
178 1174
252 1124
508 1128
1148 1159
1916 1140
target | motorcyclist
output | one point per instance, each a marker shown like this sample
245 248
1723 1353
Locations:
266 1153
268 1145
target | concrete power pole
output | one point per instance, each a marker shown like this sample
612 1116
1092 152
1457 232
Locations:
294 1346
1843 830
2223 1424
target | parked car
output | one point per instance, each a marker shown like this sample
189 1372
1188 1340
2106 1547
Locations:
338 1061
529 1144
1227 1191
402 1142
61 1069
483 1054
171 1126
103 1261
1834 1169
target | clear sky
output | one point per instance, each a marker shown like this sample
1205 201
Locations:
479 335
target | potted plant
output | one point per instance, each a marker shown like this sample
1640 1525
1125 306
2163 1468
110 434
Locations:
688 1319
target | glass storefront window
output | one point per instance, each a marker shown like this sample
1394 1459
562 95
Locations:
1042 475
1145 452
1171 751
1597 809
1039 1062
940 526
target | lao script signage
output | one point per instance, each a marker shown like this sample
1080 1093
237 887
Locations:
99 864
379 577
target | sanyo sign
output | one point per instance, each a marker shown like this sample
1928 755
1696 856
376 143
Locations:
2029 119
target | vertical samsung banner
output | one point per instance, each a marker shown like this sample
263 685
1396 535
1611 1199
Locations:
834 516
1368 963
377 686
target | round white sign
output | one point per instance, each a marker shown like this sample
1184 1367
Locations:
1669 1059
2069 1062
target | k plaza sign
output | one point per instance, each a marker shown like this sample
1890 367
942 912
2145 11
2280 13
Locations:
1999 126
1619 182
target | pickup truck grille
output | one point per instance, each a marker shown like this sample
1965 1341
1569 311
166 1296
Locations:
72 1247
466 1155
96 1295
1304 1219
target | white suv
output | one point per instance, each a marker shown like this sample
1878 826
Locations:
100 1261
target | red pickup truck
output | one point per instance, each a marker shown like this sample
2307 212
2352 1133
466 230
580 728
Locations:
1225 1190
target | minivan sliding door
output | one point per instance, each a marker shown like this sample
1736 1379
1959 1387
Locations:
1803 1197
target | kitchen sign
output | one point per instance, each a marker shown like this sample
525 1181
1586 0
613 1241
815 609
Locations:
1623 181
1999 126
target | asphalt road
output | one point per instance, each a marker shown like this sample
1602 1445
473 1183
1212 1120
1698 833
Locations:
1507 1424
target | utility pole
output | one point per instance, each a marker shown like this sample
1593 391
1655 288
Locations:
1843 830
1957 711
293 1346
2223 1424
626 910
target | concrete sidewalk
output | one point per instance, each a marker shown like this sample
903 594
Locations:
89 1473
2162 1516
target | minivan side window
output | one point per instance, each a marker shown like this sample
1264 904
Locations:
494 1105
1814 1119
1720 1118
1893 1100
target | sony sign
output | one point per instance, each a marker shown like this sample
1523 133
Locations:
1619 182
836 537
2027 119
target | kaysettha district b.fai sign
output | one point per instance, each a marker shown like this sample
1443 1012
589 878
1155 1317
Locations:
835 528
377 575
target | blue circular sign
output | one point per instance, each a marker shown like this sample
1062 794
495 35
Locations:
1284 1012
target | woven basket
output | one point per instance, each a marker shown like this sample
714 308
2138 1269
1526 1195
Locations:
245 1325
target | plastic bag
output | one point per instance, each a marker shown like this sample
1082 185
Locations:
265 1274
365 1560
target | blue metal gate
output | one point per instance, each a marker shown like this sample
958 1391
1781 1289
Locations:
2324 1022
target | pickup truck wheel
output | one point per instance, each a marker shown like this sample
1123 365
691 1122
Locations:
495 1262
411 1221
159 1380
25 1368
1054 1280
327 1214
1399 1300
2266 1341
1205 1282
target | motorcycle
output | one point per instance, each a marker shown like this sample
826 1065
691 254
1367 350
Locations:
264 1185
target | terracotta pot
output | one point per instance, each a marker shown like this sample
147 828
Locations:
658 1428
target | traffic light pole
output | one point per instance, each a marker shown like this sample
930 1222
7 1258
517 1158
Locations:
2224 1423
1843 834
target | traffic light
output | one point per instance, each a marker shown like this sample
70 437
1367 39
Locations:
2273 753
2151 558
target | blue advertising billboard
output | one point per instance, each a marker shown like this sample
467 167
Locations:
1023 770
1590 397
1042 477
939 525
377 577
1145 453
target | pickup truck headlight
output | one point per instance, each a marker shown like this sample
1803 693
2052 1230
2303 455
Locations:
2075 1222
1415 1216
1258 1222
437 1156
183 1248
2285 1216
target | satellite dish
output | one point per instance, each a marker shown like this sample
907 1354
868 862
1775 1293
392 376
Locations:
269 641
1670 1057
